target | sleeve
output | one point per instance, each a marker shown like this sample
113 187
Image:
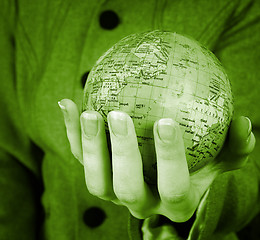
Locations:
19 176
231 203
234 197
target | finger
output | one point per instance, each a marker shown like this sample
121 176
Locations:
173 174
128 180
71 119
96 157
241 138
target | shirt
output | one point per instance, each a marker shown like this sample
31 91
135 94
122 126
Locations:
47 49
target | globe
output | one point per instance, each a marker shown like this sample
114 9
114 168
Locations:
160 74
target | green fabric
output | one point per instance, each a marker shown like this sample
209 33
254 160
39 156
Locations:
45 47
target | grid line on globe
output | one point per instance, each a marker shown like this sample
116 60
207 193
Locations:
159 74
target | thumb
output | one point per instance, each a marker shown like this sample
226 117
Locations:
241 142
241 137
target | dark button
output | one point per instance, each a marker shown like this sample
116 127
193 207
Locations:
94 217
84 79
108 20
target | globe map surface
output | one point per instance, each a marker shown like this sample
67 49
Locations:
160 74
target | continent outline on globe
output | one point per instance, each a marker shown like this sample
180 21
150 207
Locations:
160 74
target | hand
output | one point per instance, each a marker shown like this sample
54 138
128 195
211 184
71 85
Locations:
121 180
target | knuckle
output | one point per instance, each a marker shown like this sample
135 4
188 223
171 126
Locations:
120 148
118 151
173 198
100 193
124 146
91 149
90 163
165 151
184 217
88 152
139 215
165 154
128 198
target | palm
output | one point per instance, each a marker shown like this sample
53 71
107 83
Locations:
118 176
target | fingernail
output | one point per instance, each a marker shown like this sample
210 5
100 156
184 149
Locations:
89 124
61 106
166 129
249 127
64 110
118 123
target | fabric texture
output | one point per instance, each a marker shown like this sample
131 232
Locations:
45 48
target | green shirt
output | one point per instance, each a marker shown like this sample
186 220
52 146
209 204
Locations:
45 49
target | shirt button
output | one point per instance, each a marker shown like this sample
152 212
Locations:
94 217
108 20
84 79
